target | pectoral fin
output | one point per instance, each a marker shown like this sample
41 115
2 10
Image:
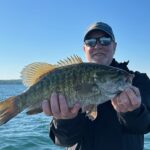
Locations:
37 108
92 115
91 112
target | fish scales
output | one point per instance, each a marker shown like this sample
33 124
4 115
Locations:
63 80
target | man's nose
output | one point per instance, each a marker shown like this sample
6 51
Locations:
98 45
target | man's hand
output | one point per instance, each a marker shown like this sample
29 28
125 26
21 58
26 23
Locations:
128 100
57 107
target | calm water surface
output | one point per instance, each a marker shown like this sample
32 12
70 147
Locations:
29 132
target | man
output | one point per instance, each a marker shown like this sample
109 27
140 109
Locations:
110 131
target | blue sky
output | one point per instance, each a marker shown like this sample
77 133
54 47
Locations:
49 30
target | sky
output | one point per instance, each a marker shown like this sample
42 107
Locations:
50 30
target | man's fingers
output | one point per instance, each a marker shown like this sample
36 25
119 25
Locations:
63 105
66 112
58 108
122 99
128 100
121 103
134 96
136 90
46 108
55 104
75 108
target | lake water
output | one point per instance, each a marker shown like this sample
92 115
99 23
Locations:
24 132
29 132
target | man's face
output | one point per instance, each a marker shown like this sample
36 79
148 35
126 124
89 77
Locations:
99 53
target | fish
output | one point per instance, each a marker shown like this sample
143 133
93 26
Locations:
88 83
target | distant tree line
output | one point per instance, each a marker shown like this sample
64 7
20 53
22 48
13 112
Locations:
11 81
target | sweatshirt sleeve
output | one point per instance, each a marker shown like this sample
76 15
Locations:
67 132
138 121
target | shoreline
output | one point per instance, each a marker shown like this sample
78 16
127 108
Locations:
15 81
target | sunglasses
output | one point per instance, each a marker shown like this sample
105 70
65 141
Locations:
104 41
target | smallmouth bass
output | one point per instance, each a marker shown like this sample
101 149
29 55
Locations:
90 84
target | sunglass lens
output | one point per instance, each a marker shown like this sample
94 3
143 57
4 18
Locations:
90 42
105 41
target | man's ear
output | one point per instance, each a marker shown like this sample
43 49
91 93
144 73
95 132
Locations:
115 45
84 48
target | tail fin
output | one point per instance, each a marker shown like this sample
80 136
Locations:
8 110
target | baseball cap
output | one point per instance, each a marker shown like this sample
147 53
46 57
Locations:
102 27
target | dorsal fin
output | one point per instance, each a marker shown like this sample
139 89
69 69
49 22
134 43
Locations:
33 72
69 61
